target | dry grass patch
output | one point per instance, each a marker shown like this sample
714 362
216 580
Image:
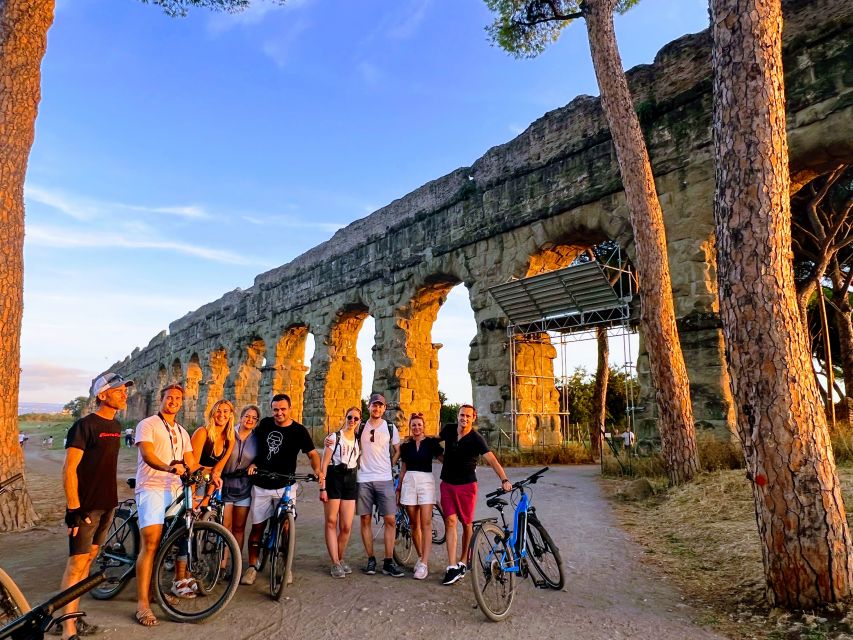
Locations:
703 535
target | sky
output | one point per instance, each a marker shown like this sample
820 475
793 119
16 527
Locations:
175 159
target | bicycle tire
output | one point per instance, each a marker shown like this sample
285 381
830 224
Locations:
281 558
263 550
13 604
543 554
117 556
439 533
405 552
494 588
207 549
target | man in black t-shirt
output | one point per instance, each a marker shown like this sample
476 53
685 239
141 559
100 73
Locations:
89 479
462 448
279 440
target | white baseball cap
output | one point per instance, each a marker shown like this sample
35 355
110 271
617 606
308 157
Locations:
109 381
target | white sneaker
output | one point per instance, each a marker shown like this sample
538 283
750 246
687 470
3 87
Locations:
421 570
249 576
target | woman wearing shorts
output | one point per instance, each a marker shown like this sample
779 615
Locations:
236 486
338 490
416 490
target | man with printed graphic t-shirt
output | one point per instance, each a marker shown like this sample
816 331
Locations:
89 479
279 440
463 446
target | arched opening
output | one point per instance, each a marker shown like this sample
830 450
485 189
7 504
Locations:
289 368
218 364
177 372
247 383
152 403
452 332
191 392
344 379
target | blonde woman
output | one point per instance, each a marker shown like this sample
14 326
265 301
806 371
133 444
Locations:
416 490
339 489
236 486
212 443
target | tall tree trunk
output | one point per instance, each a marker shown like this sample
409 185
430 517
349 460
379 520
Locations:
599 393
23 40
798 505
844 326
657 315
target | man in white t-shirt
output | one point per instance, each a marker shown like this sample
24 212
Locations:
377 440
165 453
628 440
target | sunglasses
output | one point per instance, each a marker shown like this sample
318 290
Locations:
372 432
353 418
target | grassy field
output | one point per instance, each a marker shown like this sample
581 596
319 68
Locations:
37 430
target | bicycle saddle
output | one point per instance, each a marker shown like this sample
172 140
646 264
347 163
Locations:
496 503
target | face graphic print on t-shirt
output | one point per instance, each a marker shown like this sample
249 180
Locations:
274 440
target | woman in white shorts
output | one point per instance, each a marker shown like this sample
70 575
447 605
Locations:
416 490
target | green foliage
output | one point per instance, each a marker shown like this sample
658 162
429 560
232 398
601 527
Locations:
525 28
448 412
76 406
179 8
578 389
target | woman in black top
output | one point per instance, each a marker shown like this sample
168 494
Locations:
213 442
416 490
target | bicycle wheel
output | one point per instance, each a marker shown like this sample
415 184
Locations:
13 604
493 587
439 534
544 555
281 557
405 552
204 553
117 556
263 549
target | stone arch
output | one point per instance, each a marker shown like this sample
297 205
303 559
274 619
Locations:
247 381
152 402
176 374
417 373
215 384
191 392
288 368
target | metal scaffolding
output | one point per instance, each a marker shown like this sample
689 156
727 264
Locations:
559 308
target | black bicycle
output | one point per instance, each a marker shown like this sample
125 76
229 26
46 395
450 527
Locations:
278 542
206 548
39 620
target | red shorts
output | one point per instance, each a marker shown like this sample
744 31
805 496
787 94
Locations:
459 500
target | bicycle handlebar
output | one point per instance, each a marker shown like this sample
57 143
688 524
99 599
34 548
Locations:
531 479
10 480
304 477
45 610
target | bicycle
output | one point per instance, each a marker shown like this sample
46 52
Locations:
498 553
213 558
278 541
13 604
35 623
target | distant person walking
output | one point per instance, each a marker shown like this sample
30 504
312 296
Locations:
89 480
462 447
628 440
128 437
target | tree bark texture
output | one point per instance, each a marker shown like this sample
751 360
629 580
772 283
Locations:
798 505
23 40
657 315
599 392
844 327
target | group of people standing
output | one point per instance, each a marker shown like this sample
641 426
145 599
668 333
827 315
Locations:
355 475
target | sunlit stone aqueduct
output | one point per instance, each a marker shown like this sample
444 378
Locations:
524 208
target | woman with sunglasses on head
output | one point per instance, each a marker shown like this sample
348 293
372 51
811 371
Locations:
338 489
416 490
236 486
213 442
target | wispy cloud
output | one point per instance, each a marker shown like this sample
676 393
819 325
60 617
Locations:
86 209
369 72
278 47
46 236
42 381
410 19
256 14
291 222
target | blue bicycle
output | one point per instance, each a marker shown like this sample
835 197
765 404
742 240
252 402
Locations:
498 553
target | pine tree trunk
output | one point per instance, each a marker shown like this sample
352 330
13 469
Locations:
844 326
599 393
781 422
657 315
23 40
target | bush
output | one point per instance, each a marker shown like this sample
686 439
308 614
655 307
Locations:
572 453
842 442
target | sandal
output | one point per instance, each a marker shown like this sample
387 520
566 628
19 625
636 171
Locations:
183 588
146 618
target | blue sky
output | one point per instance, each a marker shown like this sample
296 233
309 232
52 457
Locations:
175 159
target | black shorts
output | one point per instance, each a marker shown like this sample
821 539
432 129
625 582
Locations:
341 485
90 534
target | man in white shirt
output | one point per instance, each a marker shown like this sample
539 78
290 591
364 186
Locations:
380 449
628 440
165 453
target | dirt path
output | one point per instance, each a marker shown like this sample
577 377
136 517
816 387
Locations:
609 595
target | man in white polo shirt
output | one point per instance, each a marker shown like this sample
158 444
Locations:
165 453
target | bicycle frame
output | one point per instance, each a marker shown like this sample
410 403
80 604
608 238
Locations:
285 504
